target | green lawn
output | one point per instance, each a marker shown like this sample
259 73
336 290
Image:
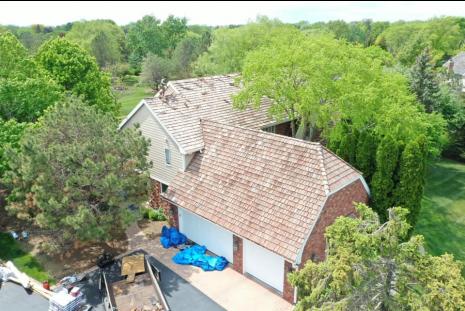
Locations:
25 262
442 218
131 97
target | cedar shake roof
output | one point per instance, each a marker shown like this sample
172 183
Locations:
185 102
264 187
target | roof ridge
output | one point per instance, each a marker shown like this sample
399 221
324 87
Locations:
228 75
346 163
270 135
324 180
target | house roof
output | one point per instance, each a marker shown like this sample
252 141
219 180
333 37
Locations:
458 63
185 102
264 187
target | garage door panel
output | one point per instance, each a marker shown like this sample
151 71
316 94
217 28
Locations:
264 265
204 232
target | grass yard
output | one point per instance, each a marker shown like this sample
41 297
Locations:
130 97
442 218
25 262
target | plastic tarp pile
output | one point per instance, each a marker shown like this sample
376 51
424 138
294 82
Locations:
171 237
195 255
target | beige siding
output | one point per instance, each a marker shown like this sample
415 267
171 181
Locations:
187 159
158 141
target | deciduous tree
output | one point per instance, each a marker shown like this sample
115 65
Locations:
156 68
25 89
101 38
10 135
230 45
76 71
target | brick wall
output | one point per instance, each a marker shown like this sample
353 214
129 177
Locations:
238 254
171 213
288 290
155 198
338 204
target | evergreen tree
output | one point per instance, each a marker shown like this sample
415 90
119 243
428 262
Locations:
412 171
382 184
375 266
75 174
423 80
365 155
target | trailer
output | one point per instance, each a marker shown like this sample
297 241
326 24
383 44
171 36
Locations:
137 288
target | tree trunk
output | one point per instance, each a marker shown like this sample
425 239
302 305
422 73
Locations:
293 128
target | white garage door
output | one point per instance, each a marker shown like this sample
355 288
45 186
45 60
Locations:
203 232
264 265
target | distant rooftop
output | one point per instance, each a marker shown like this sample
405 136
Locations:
458 63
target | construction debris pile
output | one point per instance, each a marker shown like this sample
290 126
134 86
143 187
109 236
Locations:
64 297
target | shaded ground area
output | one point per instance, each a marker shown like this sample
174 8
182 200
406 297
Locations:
442 217
14 297
31 258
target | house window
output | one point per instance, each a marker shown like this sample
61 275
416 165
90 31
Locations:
167 156
164 188
270 129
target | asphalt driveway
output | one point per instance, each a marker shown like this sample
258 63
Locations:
180 294
14 297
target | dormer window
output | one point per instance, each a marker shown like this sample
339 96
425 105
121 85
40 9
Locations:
270 129
167 156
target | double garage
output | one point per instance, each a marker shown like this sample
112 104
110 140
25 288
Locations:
258 262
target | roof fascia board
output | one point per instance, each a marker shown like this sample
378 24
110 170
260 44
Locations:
131 114
158 180
298 260
179 206
181 149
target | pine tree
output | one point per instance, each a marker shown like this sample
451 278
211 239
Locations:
423 80
382 185
409 190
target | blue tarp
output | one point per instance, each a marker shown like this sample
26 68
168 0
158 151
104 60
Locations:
195 255
171 237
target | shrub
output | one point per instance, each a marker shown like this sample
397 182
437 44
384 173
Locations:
153 214
130 80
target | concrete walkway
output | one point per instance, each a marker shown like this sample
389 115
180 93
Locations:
228 288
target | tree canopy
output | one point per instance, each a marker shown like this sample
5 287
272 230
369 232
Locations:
77 72
230 45
25 89
101 38
371 266
76 175
10 135
406 40
150 35
344 92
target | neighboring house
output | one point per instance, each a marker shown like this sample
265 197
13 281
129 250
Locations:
456 70
259 199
